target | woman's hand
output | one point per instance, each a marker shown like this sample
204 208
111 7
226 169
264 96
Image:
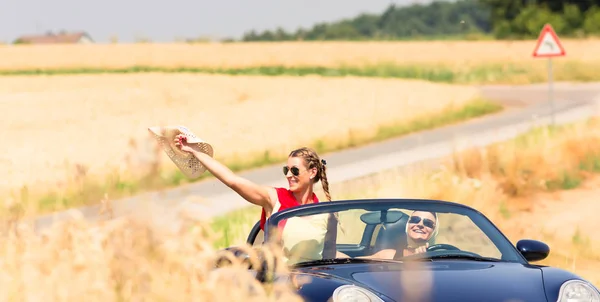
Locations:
422 249
181 143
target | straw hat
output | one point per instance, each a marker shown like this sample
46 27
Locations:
186 162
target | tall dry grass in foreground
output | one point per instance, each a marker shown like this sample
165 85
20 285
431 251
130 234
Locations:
127 260
97 124
290 54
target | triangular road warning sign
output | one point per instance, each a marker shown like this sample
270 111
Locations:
548 44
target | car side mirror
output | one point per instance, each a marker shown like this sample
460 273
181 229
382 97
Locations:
533 250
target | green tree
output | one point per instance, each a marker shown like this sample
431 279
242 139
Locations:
532 19
525 18
591 25
438 18
505 19
573 19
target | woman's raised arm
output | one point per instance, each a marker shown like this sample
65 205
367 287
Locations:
263 196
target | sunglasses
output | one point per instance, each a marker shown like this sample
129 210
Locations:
426 221
295 170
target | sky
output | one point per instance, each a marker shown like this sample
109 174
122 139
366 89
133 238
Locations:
165 21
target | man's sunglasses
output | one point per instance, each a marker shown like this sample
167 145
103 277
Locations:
295 170
426 221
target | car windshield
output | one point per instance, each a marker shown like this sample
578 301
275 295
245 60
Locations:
387 230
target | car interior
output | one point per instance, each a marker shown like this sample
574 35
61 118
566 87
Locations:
384 230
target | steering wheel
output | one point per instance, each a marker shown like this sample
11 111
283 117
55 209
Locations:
442 246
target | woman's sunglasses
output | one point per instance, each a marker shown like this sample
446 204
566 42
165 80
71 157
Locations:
295 170
426 221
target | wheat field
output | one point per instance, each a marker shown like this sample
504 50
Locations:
290 54
99 122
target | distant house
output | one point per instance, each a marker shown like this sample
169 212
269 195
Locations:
59 38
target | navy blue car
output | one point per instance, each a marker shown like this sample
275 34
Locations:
412 250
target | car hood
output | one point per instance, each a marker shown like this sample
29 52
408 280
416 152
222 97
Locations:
442 280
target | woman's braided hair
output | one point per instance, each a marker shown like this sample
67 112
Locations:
313 161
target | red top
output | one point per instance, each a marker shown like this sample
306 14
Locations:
286 200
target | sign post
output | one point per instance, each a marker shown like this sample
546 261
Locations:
549 46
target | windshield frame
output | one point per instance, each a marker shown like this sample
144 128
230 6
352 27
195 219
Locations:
500 241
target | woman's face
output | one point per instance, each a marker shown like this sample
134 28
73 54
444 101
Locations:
421 226
302 179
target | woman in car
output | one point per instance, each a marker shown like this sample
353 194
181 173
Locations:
304 168
420 229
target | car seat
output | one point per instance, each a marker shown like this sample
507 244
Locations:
392 235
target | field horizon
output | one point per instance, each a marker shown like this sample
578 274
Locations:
288 53
464 62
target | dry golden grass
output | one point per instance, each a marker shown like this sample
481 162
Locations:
566 220
93 121
236 55
126 260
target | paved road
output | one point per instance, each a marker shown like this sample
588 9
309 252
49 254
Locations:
528 106
538 93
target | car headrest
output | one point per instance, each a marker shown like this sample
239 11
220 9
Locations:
392 235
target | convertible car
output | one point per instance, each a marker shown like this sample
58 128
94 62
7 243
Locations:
364 250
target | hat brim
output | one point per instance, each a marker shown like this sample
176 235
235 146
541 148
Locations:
187 163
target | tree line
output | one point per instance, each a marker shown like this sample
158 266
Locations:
500 19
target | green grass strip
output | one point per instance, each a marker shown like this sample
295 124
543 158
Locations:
429 73
482 74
